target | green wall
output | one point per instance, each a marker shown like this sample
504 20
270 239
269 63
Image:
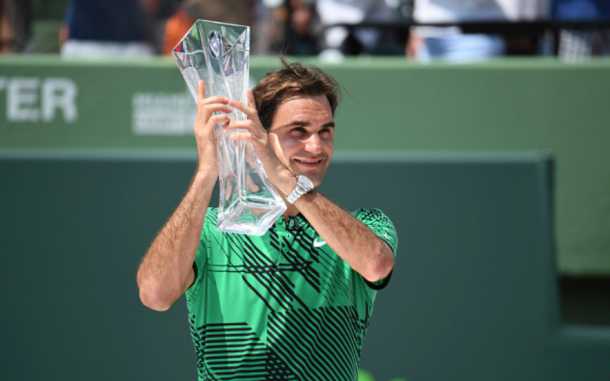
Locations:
473 296
395 106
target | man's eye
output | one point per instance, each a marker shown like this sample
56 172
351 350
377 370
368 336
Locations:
298 131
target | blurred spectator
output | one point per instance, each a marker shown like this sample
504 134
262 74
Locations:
363 40
105 28
157 13
449 43
300 39
15 25
580 43
286 26
271 18
189 11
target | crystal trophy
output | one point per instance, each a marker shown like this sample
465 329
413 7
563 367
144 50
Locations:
219 55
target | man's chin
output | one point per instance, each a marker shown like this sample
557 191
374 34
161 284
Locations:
316 182
316 178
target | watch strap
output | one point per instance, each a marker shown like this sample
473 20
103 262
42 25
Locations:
299 190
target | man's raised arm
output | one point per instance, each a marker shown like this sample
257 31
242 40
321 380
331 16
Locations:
353 241
166 271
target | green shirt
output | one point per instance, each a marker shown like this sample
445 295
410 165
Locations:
282 306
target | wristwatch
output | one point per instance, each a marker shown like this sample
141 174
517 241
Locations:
304 185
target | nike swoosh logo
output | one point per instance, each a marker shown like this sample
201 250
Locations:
317 243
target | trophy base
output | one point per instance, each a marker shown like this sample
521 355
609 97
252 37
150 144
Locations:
249 218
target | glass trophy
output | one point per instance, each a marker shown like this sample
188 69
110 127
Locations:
219 55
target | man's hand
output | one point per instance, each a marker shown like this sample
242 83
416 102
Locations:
205 123
280 176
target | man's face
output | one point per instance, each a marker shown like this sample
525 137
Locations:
302 135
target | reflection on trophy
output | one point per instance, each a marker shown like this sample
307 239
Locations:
219 55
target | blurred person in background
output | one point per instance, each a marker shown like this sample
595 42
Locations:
577 43
338 40
286 26
271 18
449 43
225 11
276 25
157 13
302 20
105 28
15 25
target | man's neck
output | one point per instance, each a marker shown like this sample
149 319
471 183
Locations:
291 211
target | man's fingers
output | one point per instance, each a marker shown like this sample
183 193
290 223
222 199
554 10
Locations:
202 100
213 121
220 118
217 107
214 99
251 101
249 111
245 136
244 125
200 91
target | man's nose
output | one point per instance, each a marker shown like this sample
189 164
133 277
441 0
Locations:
313 144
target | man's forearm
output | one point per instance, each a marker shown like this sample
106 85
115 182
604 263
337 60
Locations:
164 272
353 241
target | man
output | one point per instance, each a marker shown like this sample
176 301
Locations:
295 303
104 28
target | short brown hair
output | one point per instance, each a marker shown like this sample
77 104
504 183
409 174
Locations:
293 79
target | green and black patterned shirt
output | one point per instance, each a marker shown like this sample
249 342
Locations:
282 306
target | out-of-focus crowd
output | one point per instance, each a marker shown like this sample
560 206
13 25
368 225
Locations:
329 28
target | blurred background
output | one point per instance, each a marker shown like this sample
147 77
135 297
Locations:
481 127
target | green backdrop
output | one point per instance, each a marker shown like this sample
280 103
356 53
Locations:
394 106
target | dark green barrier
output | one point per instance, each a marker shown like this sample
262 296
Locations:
473 295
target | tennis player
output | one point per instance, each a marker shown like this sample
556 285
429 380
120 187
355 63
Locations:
294 303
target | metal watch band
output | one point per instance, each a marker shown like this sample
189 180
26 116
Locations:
304 185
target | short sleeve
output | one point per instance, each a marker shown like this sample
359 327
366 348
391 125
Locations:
380 224
383 227
202 253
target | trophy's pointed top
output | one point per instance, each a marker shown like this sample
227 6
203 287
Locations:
203 32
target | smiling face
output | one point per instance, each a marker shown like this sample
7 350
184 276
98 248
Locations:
302 135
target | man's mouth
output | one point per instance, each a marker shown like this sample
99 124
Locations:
312 163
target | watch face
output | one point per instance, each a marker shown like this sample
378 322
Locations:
305 182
